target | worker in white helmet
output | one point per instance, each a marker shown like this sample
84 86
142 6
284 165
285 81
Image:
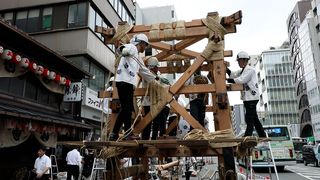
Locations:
126 78
250 94
159 122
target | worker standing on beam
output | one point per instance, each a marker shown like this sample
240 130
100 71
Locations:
126 78
159 122
250 94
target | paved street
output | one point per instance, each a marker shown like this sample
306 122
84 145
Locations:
296 172
309 172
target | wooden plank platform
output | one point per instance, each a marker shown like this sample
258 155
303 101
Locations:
172 147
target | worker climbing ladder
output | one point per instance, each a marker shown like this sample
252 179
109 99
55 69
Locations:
98 168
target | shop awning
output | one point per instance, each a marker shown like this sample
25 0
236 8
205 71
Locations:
14 111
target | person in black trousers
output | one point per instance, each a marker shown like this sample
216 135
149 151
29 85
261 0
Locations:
250 94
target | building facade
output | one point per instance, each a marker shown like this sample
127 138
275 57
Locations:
33 81
277 92
68 27
303 31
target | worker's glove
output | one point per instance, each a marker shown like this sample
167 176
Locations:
165 81
125 52
231 81
228 71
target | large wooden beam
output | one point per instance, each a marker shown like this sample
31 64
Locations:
195 28
191 70
184 113
138 128
172 49
172 125
199 88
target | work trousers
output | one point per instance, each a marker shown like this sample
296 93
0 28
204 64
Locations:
125 93
252 119
158 124
72 170
198 110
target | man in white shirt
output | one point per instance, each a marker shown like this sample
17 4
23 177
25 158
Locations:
73 164
250 94
126 78
42 165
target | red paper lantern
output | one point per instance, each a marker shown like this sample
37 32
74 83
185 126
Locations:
57 78
68 82
24 62
52 75
39 70
45 72
7 54
16 58
32 66
62 81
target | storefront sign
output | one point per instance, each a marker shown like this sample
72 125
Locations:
73 93
92 100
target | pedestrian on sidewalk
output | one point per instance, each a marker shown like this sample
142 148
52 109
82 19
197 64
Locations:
42 165
74 160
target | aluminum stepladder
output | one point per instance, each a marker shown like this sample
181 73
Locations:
267 149
98 168
54 167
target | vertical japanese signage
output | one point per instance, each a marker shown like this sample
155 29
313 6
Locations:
73 93
92 100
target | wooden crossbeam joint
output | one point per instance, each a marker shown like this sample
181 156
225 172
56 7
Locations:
234 18
222 100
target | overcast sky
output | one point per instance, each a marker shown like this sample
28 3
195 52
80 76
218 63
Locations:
263 23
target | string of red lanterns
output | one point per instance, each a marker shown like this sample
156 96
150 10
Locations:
26 63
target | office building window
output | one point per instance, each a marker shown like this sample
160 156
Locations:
77 15
92 18
21 20
116 3
8 17
33 20
99 22
98 82
47 18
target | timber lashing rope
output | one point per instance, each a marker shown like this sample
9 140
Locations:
169 32
122 34
197 134
214 50
158 95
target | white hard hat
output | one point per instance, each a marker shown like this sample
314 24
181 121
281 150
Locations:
136 39
243 55
153 61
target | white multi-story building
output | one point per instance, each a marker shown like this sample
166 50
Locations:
277 104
